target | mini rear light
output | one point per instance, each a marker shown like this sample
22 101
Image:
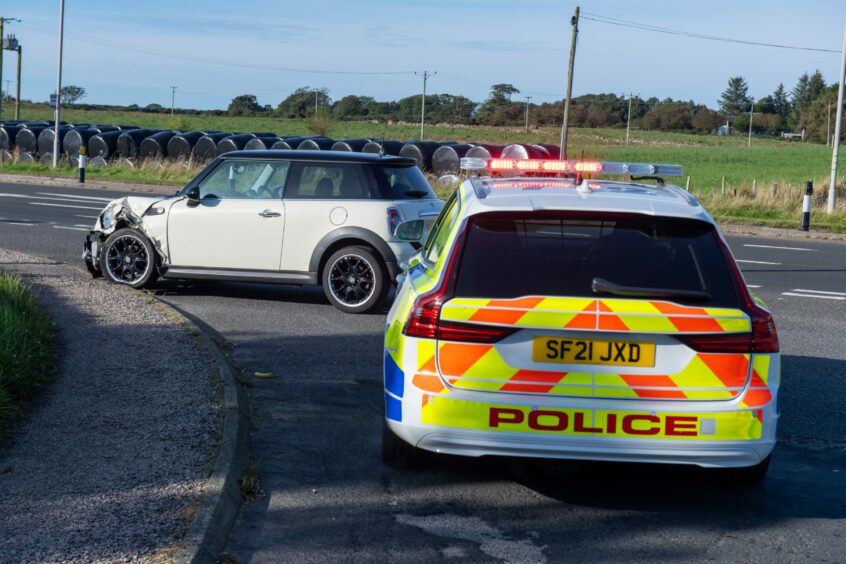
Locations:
394 219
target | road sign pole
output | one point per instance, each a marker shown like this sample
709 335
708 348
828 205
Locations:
59 84
832 187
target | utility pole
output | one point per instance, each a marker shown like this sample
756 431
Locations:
2 48
59 84
315 102
18 90
172 98
832 187
629 118
426 76
751 113
575 23
828 126
528 99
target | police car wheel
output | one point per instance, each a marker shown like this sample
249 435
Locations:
748 475
354 279
397 453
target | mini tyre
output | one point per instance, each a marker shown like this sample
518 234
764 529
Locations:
354 279
397 453
128 257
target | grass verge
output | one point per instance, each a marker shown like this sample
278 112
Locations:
26 348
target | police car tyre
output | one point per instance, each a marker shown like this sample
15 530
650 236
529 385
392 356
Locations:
354 279
129 258
747 475
397 453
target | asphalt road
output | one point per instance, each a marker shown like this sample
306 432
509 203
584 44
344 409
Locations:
327 496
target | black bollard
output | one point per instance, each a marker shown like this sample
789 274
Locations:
806 206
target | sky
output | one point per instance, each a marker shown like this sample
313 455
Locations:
132 52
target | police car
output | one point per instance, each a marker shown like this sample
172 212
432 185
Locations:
554 315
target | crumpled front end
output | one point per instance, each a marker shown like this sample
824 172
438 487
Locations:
148 215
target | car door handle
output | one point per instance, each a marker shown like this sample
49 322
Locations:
268 213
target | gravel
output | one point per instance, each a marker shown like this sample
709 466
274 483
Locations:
110 463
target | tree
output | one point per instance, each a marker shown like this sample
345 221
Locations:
301 103
706 120
244 105
668 117
71 94
735 98
349 106
503 92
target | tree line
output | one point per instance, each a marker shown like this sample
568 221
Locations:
805 107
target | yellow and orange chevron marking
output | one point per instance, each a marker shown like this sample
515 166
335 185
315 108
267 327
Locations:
707 376
590 314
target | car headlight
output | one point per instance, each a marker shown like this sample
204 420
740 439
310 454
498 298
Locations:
107 218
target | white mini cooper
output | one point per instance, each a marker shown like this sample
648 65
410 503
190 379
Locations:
284 217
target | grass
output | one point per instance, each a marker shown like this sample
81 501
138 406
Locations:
26 348
710 162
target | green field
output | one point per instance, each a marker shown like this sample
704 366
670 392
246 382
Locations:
771 164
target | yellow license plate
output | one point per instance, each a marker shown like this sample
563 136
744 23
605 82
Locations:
593 351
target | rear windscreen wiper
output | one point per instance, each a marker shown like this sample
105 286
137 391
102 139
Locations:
415 193
602 286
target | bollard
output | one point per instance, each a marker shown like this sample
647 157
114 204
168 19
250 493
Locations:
82 164
806 206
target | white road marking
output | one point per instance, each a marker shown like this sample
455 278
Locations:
7 222
72 228
88 216
780 248
752 286
65 199
63 206
74 196
813 296
820 292
82 225
758 262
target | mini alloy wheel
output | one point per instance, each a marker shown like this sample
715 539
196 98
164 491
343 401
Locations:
128 258
354 280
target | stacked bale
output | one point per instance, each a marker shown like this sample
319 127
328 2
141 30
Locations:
317 143
180 147
390 147
75 139
447 158
352 145
155 146
205 149
522 151
129 142
261 143
104 145
485 151
420 151
46 137
287 143
234 143
27 139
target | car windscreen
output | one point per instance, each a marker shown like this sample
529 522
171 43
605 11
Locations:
402 183
564 254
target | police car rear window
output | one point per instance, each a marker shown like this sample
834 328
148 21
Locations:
560 254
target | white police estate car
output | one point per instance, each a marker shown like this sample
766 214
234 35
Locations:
565 317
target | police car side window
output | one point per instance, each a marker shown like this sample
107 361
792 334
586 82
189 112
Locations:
440 231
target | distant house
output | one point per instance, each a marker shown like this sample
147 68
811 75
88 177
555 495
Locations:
725 130
786 135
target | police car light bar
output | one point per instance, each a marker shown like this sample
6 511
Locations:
555 166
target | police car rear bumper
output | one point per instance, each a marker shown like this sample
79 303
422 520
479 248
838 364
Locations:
706 454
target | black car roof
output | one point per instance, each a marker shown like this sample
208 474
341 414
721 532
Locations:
324 156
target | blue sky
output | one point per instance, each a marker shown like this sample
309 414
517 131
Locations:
202 47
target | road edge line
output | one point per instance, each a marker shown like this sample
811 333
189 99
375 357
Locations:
218 508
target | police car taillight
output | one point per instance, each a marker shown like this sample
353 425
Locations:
553 167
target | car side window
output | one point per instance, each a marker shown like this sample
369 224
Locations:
242 179
328 181
440 231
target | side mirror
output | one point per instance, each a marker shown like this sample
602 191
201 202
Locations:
193 195
410 231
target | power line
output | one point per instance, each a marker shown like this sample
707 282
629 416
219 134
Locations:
206 60
647 27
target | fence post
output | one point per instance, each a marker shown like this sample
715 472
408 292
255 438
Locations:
806 206
82 164
754 185
687 183
723 186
